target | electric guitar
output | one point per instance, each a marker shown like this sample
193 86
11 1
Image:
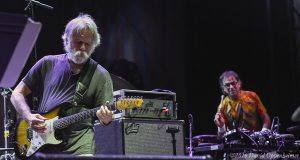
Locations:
28 142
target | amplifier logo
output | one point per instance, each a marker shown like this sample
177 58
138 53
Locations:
132 128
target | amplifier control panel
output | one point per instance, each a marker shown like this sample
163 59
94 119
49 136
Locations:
157 105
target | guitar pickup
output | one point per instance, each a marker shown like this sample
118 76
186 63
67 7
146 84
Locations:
29 134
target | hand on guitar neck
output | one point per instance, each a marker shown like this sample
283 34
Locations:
104 115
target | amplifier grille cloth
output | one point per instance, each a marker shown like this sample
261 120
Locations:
152 138
135 137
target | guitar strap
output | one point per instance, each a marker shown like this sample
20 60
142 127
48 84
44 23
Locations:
84 81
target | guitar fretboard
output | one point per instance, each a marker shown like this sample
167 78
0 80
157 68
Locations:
66 121
120 104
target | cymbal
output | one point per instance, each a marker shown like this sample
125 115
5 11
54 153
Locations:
296 115
120 83
293 128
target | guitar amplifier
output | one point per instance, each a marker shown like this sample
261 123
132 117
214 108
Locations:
157 105
140 137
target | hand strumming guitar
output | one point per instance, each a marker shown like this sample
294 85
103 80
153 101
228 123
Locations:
36 122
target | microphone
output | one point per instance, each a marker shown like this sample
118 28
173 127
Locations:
190 117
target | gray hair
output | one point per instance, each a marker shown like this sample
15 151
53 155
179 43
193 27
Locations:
227 74
78 24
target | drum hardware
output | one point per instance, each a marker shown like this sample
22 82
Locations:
271 140
284 140
265 141
238 137
210 145
293 128
297 144
275 125
7 123
205 140
241 140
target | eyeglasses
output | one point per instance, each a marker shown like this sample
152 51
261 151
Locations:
233 83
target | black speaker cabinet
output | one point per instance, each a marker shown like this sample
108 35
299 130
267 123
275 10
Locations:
140 137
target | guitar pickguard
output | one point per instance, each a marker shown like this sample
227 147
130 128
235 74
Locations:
40 139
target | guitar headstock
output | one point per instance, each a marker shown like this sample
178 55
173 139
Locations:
128 103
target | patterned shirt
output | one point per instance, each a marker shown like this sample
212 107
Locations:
244 112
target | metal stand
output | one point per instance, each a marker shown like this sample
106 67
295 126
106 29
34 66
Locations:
173 131
190 117
29 8
6 125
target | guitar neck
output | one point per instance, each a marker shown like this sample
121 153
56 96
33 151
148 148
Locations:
121 104
68 120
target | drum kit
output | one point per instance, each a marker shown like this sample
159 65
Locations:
244 141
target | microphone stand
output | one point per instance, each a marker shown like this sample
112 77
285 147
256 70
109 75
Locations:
190 116
6 124
31 2
30 7
173 131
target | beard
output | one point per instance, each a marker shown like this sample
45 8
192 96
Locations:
78 57
233 93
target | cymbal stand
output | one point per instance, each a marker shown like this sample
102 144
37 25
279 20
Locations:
190 117
6 124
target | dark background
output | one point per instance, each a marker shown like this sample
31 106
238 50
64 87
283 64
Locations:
184 45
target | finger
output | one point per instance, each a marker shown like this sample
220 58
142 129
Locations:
217 122
37 122
98 112
41 117
40 130
37 119
216 117
108 112
102 110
